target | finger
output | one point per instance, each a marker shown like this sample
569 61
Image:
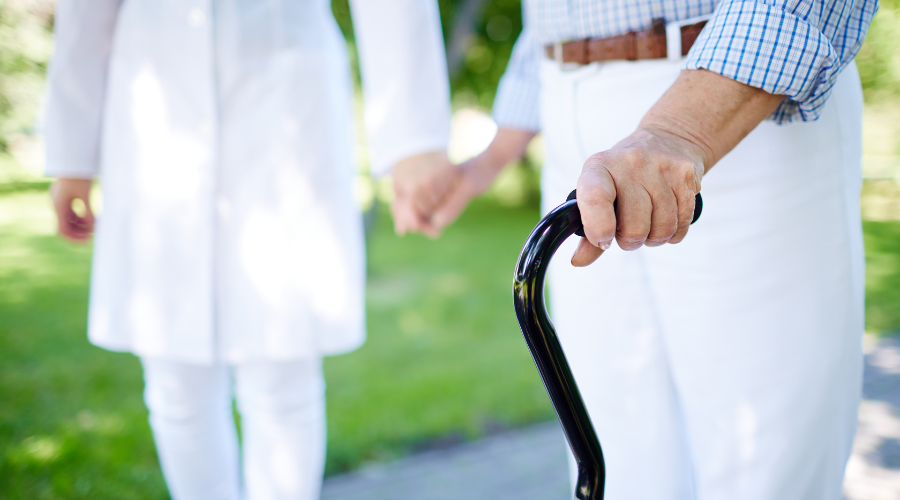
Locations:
430 230
423 199
72 227
64 223
428 195
663 217
685 216
431 194
633 211
452 207
83 225
88 213
65 216
407 219
586 253
597 192
398 213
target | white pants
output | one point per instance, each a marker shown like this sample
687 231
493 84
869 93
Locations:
727 367
282 421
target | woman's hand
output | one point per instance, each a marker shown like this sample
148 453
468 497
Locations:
72 226
421 182
475 176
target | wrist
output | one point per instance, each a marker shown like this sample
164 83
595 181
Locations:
710 111
507 146
492 160
688 143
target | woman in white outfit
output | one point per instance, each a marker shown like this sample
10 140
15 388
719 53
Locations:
230 244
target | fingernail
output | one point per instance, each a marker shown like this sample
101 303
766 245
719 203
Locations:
604 245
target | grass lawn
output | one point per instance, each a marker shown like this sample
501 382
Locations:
444 361
882 276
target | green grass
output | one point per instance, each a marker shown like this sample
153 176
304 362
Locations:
444 360
444 355
72 422
882 240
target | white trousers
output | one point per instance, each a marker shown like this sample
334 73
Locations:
727 367
282 410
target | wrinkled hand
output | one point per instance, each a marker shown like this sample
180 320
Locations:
72 226
655 172
420 184
652 176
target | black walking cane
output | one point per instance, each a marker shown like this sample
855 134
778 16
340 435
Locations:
528 296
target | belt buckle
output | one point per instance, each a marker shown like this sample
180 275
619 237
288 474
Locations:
558 57
673 35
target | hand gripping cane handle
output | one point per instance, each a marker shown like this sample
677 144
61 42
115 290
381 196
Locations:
528 296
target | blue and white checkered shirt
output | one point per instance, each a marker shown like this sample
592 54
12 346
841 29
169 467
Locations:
795 48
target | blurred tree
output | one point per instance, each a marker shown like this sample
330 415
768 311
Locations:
25 44
479 35
879 60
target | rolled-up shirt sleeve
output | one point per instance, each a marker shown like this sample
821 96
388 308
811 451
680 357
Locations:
516 104
795 48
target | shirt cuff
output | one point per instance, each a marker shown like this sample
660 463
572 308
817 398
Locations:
765 47
517 103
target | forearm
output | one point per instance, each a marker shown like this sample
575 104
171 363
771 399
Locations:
710 111
508 145
642 190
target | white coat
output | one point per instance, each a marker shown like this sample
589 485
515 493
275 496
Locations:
221 131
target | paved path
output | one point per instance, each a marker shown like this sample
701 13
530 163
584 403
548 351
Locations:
530 463
874 469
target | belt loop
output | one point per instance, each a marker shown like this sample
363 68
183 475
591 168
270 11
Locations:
673 35
673 41
558 56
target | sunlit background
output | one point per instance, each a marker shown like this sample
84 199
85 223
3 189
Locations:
444 363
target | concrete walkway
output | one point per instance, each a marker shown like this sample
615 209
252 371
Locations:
530 463
874 469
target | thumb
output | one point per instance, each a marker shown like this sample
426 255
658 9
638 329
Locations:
453 205
586 253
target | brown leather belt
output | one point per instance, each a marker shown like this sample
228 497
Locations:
632 46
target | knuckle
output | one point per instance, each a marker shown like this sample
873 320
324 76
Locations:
629 245
630 236
635 157
598 159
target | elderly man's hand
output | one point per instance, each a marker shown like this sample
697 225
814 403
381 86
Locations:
653 174
420 184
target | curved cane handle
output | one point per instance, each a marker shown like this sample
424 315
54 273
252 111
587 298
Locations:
531 311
